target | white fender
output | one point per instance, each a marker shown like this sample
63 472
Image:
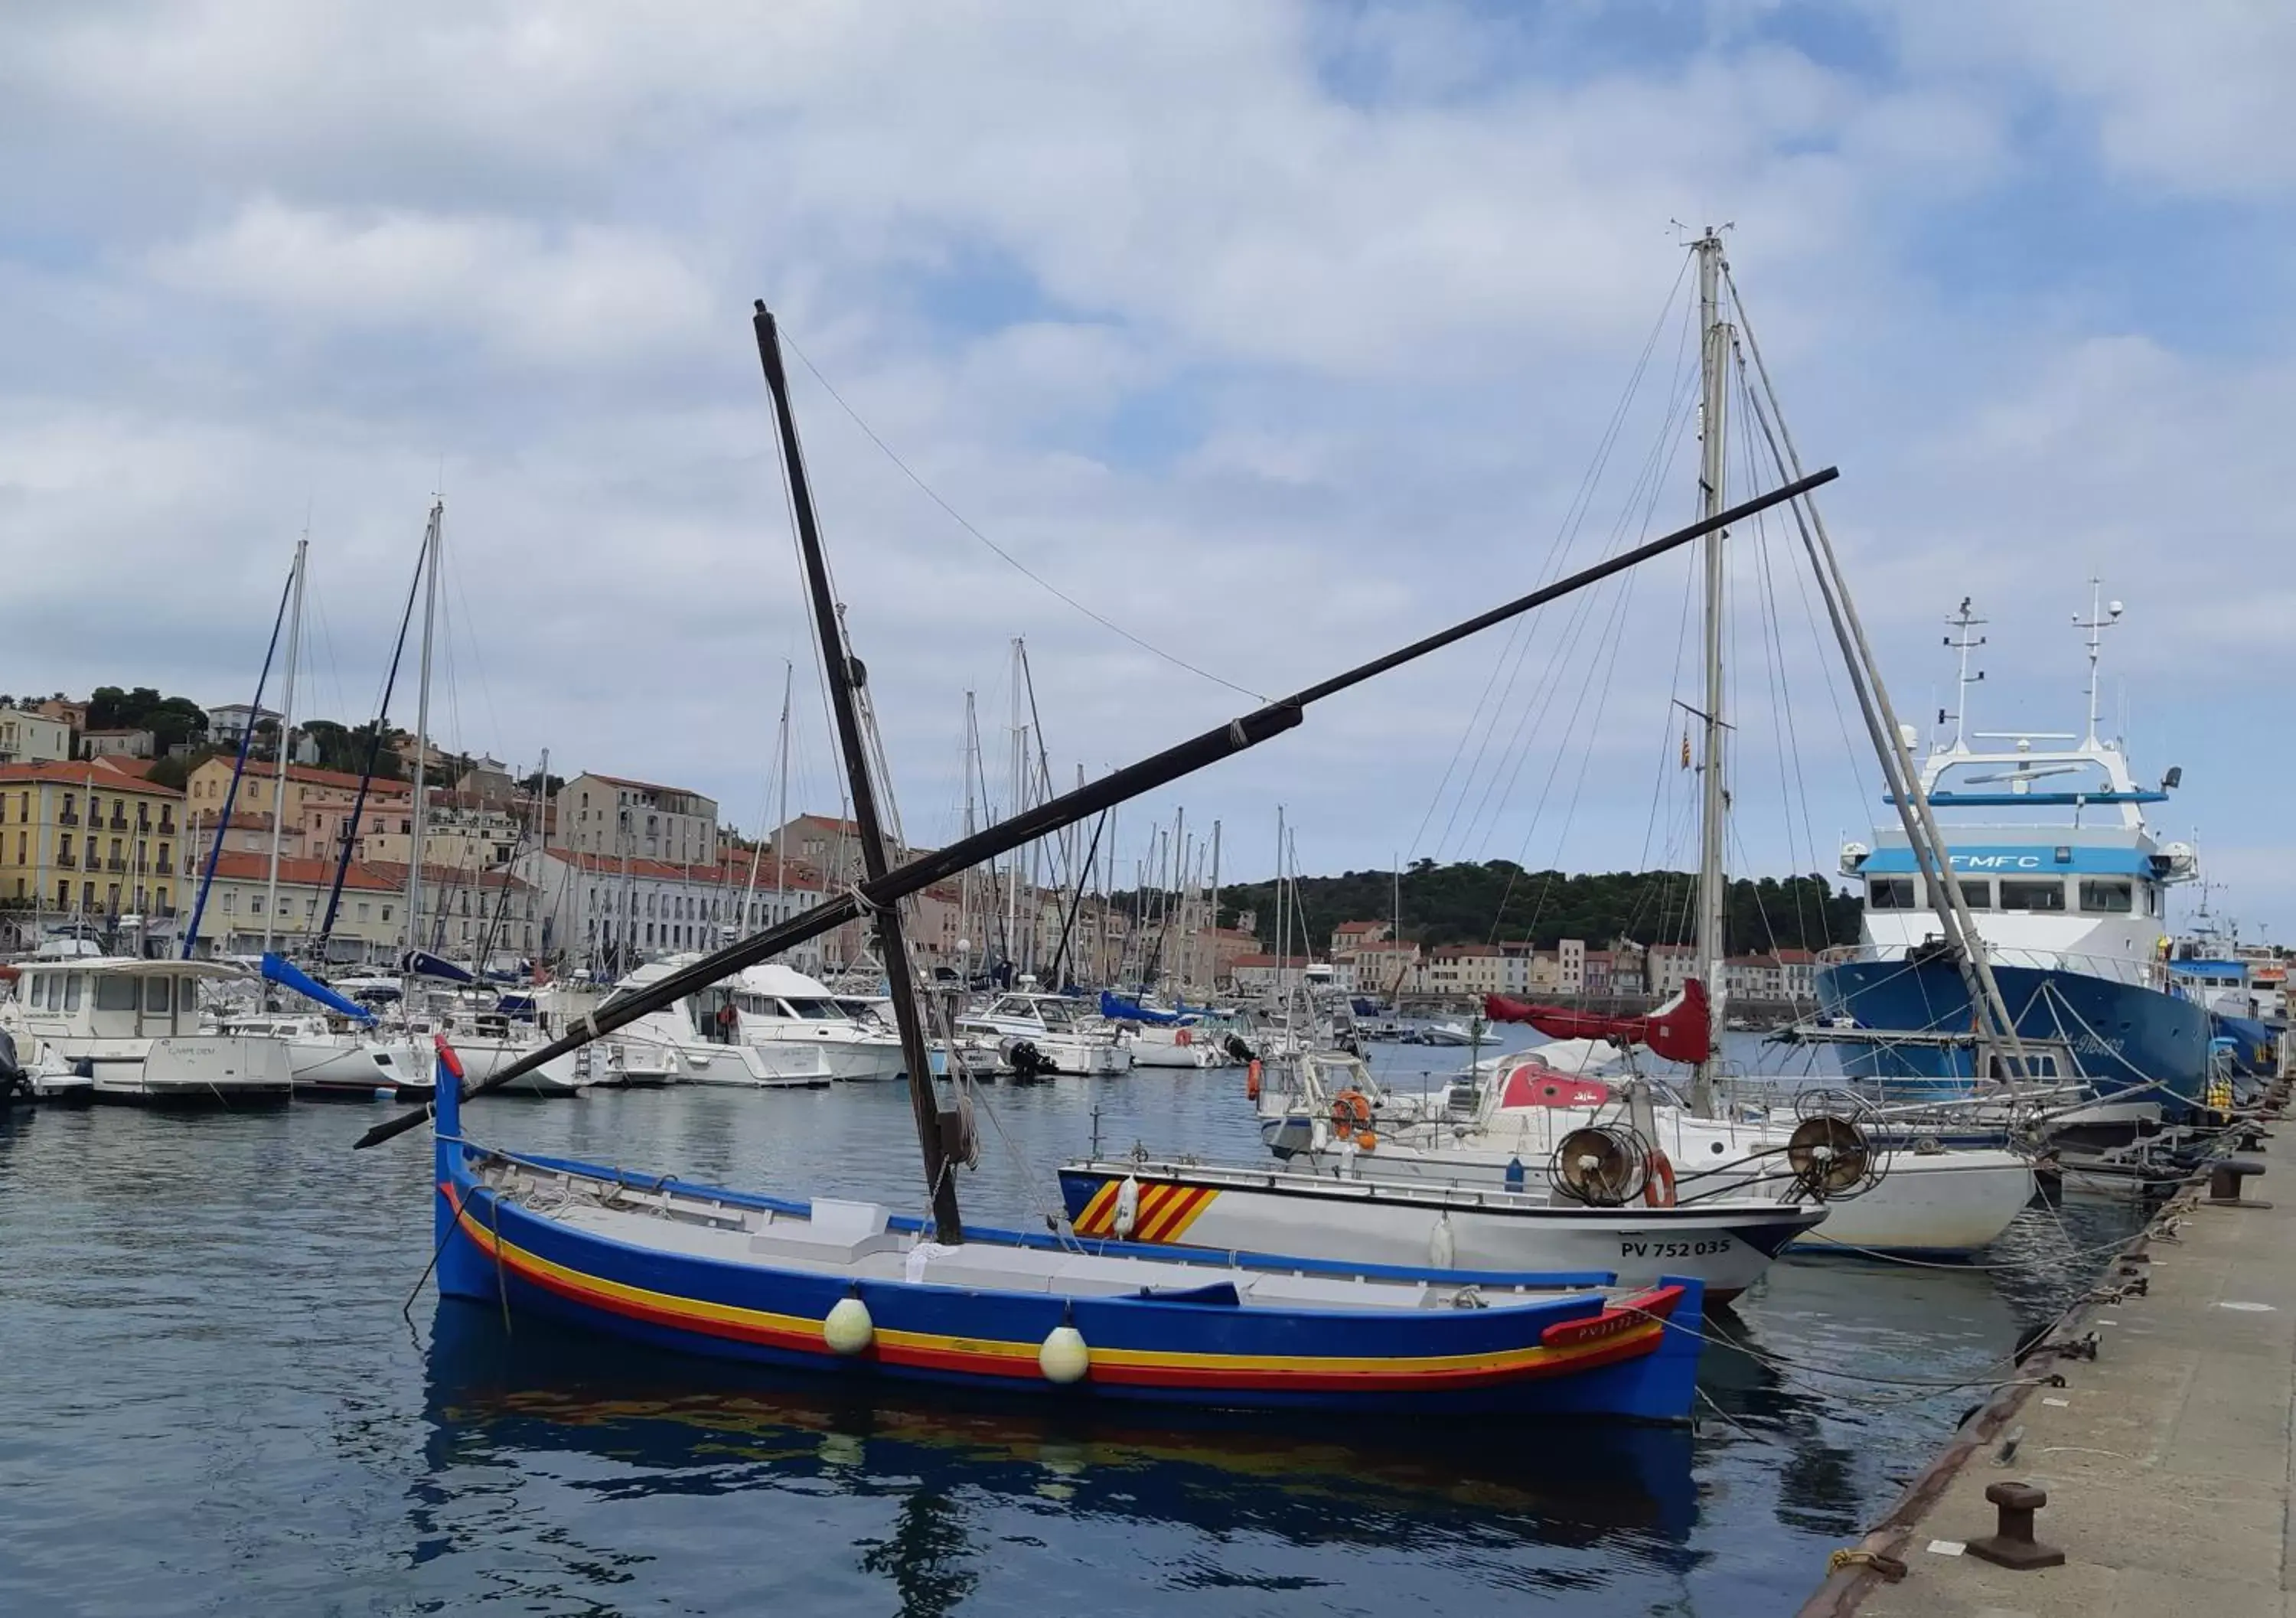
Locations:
848 1330
1442 1248
1064 1358
1127 1208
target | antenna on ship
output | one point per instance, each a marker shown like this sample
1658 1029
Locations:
2102 616
1962 641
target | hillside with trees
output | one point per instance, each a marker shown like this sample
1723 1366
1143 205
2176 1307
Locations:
1498 901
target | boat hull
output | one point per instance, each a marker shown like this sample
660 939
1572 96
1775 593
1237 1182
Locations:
1395 1223
356 1070
1941 1204
1571 1355
196 1071
2124 1035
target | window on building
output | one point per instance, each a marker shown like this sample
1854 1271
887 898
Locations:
2027 894
255 903
362 909
1889 892
386 912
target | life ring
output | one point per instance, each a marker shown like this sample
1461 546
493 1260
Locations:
727 1017
1366 1141
1251 1080
1182 1036
1658 1185
1351 1112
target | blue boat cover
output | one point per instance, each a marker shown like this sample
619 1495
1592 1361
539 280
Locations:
288 975
424 964
1116 1008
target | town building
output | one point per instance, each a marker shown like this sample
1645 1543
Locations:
1465 970
243 908
1384 967
118 744
611 914
33 738
314 804
89 839
1667 967
613 816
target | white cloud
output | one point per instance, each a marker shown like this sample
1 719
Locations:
579 294
1277 370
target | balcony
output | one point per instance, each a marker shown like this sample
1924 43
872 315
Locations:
115 864
167 824
67 818
119 821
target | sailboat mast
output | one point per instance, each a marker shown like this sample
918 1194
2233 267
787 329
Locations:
286 734
1714 806
844 675
432 540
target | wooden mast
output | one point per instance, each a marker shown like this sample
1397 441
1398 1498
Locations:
844 676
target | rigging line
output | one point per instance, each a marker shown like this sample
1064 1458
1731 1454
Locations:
1563 647
1573 517
1774 672
1656 467
1774 645
1650 477
1011 561
1587 756
1769 417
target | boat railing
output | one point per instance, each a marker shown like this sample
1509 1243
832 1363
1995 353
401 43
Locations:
2144 972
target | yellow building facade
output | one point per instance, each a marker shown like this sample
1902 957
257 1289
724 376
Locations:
89 839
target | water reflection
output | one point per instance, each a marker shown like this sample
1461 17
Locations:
545 1404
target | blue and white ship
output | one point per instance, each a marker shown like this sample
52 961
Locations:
2069 887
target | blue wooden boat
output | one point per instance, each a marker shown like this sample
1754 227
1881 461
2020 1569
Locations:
853 1291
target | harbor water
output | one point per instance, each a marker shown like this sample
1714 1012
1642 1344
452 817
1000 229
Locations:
224 1388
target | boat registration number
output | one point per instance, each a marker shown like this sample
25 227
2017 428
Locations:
1675 1249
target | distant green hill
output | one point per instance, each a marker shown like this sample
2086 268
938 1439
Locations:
1498 899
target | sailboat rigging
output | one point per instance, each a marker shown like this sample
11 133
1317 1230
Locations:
1220 742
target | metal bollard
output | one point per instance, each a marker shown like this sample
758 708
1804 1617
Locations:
2012 1543
2225 1183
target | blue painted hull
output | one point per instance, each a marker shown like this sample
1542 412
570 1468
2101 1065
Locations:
2124 1036
2255 1049
1567 1355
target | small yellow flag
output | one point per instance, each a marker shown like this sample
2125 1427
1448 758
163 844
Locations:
1685 747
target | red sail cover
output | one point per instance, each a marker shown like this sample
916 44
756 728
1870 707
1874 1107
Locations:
1679 1030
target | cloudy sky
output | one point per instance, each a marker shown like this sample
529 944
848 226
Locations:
1275 334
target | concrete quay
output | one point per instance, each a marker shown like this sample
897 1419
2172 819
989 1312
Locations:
2168 1460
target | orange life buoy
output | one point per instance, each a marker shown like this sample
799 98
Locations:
1351 1112
1366 1141
1251 1080
1181 1036
1658 1185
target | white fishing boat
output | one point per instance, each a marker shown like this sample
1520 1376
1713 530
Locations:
133 1026
1064 1035
1351 1210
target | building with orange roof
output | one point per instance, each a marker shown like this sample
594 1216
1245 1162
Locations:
89 839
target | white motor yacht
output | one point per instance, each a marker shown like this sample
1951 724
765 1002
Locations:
704 1039
330 1059
1068 1038
133 1026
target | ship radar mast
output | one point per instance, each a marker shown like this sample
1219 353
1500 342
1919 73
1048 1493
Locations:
1964 642
2102 616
